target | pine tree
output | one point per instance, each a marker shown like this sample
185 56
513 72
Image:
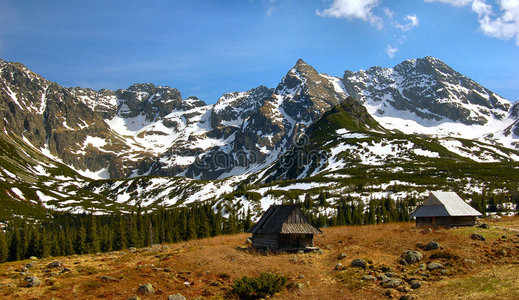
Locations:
4 248
80 245
15 249
119 241
34 244
44 246
92 237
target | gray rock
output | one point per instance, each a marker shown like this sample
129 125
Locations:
369 278
339 267
422 267
432 245
416 284
176 297
30 265
412 256
54 264
295 286
434 266
383 278
408 297
32 281
342 256
477 237
146 289
391 274
484 226
392 283
359 263
108 279
469 261
33 258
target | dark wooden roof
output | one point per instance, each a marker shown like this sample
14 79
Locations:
284 219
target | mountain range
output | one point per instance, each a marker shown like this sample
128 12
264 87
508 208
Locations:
78 149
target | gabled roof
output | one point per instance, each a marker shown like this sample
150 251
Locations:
284 219
445 204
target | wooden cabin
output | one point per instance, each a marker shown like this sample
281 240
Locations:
284 227
445 209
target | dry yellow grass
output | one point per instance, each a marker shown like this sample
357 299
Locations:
206 268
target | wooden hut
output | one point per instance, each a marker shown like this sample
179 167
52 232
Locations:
284 227
445 209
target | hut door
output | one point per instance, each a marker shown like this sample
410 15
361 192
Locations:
433 220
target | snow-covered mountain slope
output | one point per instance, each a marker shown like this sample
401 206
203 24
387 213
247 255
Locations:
426 96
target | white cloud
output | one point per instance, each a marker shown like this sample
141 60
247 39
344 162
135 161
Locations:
504 26
390 51
452 2
353 9
388 12
413 21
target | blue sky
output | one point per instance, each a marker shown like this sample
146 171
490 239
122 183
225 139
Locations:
207 48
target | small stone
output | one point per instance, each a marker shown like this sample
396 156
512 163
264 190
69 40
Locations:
54 264
133 298
432 245
391 293
157 269
434 266
108 279
503 237
484 226
391 274
477 237
295 286
502 252
422 267
146 289
338 267
32 281
392 283
64 270
411 256
369 278
301 276
416 284
33 258
342 256
427 230
408 297
443 272
30 265
167 270
359 263
469 261
176 297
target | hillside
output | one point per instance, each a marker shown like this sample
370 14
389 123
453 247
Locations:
383 132
206 268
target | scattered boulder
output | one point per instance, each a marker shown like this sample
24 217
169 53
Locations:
484 226
133 298
391 293
477 237
146 289
176 297
33 258
392 283
342 256
469 261
359 263
54 264
432 245
339 267
420 245
427 230
501 252
422 267
32 281
434 266
415 284
108 279
369 278
30 265
412 256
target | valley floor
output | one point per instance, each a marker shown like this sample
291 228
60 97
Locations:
206 268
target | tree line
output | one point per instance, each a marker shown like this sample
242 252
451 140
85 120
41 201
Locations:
67 234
